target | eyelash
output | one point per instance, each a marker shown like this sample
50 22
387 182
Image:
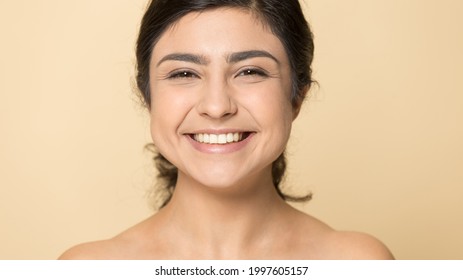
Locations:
186 74
252 72
182 74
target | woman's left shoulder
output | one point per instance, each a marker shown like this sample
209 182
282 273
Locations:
318 240
357 246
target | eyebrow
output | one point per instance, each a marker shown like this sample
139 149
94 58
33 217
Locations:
231 58
240 56
187 57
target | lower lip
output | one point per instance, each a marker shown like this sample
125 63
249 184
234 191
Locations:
219 148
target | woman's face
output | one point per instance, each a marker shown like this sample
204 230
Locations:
220 88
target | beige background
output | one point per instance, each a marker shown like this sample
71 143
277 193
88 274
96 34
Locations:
379 143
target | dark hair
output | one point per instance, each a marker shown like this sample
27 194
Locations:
284 18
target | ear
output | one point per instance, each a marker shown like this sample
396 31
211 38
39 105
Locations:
296 112
297 106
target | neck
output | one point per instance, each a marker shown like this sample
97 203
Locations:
226 222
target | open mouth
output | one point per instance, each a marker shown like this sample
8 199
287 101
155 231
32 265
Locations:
220 139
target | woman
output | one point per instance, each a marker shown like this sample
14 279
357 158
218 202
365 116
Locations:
223 81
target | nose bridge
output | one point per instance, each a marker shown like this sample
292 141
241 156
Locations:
216 98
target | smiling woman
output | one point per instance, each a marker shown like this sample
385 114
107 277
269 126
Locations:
223 81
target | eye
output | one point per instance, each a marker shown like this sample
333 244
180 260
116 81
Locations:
252 72
182 74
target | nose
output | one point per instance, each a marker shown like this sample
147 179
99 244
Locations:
216 101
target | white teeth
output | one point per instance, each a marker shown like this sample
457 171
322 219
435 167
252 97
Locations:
222 139
218 138
229 137
213 138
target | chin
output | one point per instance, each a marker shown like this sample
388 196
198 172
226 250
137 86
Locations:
219 182
231 179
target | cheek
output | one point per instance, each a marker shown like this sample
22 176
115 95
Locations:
158 126
281 123
166 114
272 108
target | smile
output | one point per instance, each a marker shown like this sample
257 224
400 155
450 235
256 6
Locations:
220 139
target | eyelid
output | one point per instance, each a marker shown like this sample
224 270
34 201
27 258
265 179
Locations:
258 71
175 74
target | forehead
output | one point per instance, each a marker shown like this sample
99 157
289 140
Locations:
214 14
216 30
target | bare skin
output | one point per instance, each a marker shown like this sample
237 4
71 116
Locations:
264 228
302 237
222 72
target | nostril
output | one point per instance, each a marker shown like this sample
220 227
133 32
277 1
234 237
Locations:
217 105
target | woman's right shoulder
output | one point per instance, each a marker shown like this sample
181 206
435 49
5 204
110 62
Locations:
130 244
96 250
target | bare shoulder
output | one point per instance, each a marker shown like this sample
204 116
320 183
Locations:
96 250
357 246
127 245
85 251
317 240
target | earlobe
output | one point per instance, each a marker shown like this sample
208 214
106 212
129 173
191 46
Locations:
296 111
298 103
